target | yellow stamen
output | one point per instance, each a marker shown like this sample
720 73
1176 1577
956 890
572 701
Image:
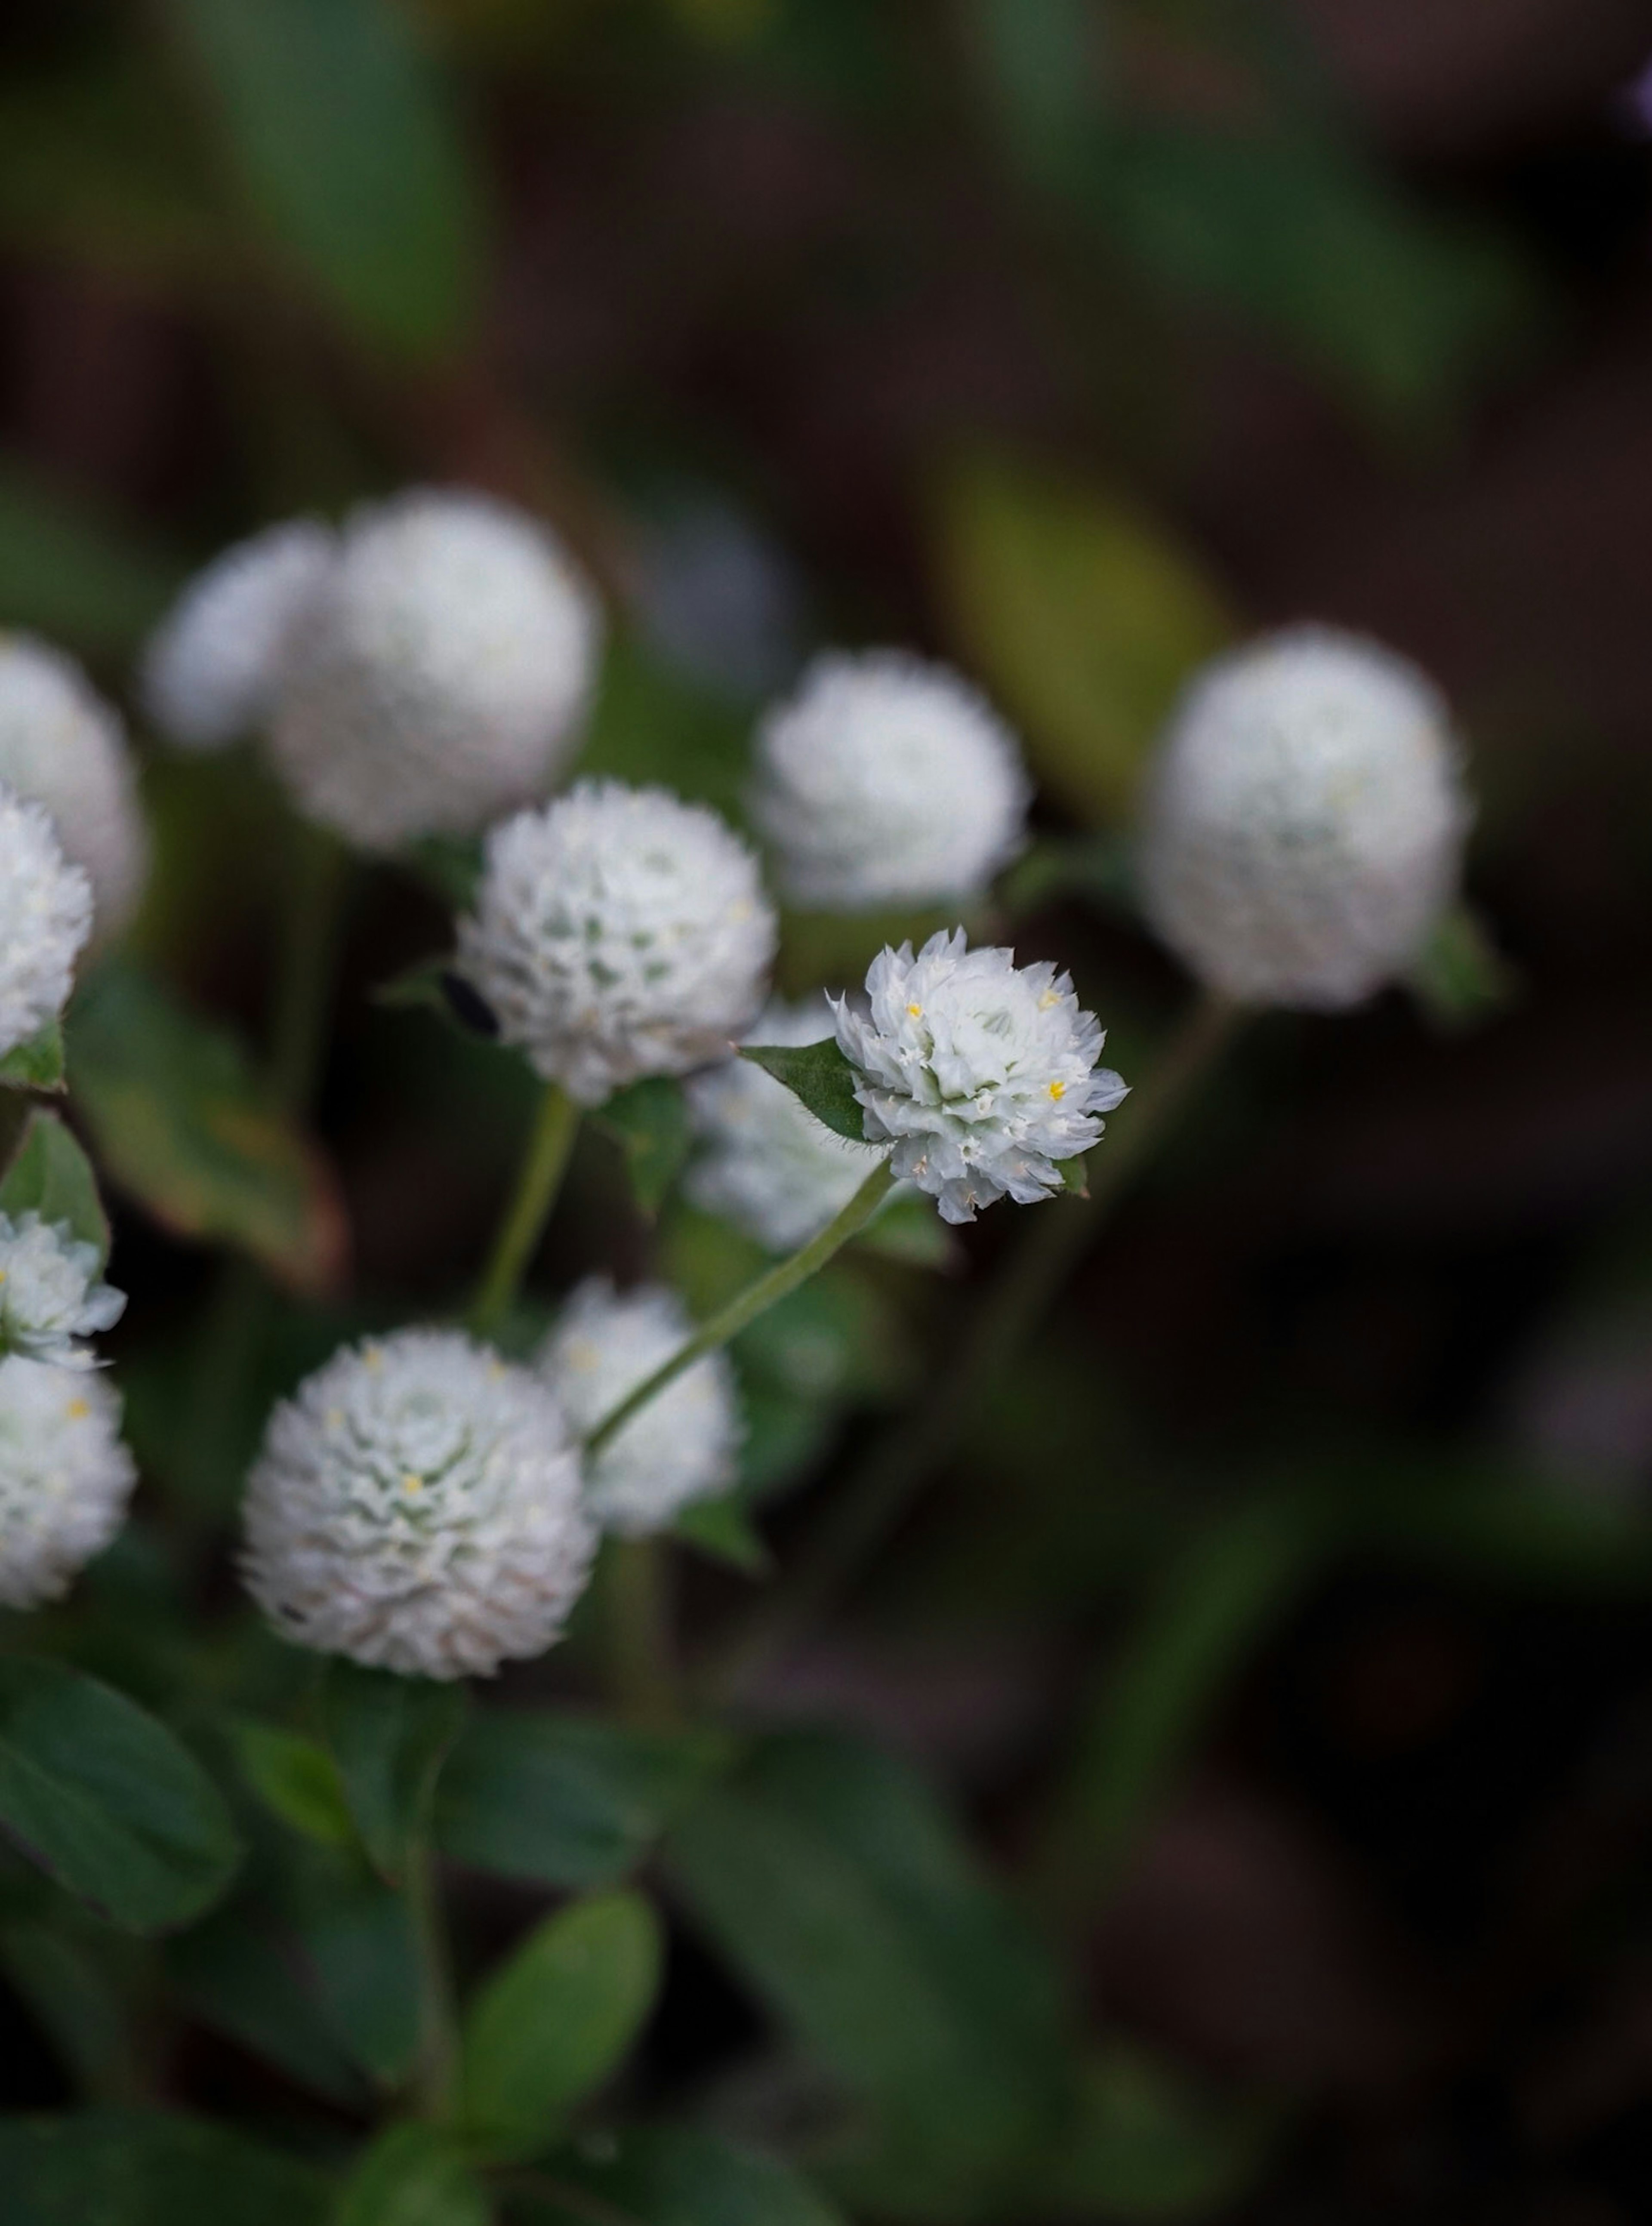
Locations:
79 1409
1058 1090
916 1011
1048 999
412 1485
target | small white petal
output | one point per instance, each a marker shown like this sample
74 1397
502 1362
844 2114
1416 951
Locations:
51 1300
45 919
215 664
65 1478
62 745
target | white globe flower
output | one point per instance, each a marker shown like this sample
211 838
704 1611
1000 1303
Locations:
981 1073
215 664
618 932
45 919
439 681
51 1297
65 1478
681 1445
416 1506
770 1167
1304 822
886 781
63 745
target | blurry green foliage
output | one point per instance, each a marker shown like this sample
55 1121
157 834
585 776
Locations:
390 1736
71 575
150 2168
412 2175
37 1063
648 723
1146 2145
1460 978
50 1175
671 2176
63 1974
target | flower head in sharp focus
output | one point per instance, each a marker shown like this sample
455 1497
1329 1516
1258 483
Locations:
616 933
65 1478
1304 822
440 679
681 1445
215 664
888 781
981 1073
50 1296
63 745
45 919
416 1506
768 1165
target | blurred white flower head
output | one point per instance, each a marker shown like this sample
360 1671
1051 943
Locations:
618 932
50 1296
885 780
981 1073
215 664
1305 820
769 1166
65 1478
681 1445
439 679
63 745
45 919
416 1506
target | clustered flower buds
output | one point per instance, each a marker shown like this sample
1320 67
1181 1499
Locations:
1306 820
616 933
416 1506
45 919
63 745
888 781
52 1298
215 665
65 1478
680 1447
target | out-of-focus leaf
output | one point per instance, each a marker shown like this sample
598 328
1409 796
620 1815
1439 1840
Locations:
36 1065
1075 1175
650 724
359 1946
390 1736
349 153
74 1999
434 986
722 1529
676 2176
239 1975
107 1800
557 2019
1101 868
910 1231
650 1122
65 571
821 1075
50 1175
1082 614
1460 978
150 2168
1146 2146
178 1120
1039 66
412 2175
296 1780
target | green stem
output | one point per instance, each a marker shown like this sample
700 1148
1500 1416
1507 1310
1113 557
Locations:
544 1165
745 1307
312 916
438 2024
863 1512
641 1669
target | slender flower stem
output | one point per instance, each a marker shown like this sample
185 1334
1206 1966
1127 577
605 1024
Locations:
864 1510
636 1579
756 1299
438 2023
543 1165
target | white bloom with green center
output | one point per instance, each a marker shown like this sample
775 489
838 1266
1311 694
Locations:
1305 821
885 781
981 1074
440 680
416 1506
52 1298
680 1447
616 933
63 745
215 664
769 1166
66 1478
45 919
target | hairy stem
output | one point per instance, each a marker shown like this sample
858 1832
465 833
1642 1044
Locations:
543 1165
438 2024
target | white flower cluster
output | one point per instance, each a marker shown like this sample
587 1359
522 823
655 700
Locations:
618 933
45 919
888 781
416 1506
51 1297
681 1445
214 667
65 1478
1305 823
62 745
981 1073
769 1166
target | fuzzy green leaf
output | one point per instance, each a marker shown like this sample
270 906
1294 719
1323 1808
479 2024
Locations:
650 1122
390 1736
38 1063
50 1175
820 1074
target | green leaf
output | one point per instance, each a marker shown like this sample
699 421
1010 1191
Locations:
1082 613
648 723
1075 1175
821 1075
434 986
677 2176
150 2168
74 1997
390 1736
240 1974
1460 978
178 1121
76 577
412 2175
910 1230
556 2020
295 1778
107 1800
50 1175
650 1122
357 1943
722 1529
1038 64
1146 2144
347 152
38 1063
563 1801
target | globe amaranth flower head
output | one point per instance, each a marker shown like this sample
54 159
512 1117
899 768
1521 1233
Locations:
214 666
50 1296
769 1166
65 1478
1305 821
439 681
618 932
981 1073
681 1445
416 1506
63 745
45 919
885 780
